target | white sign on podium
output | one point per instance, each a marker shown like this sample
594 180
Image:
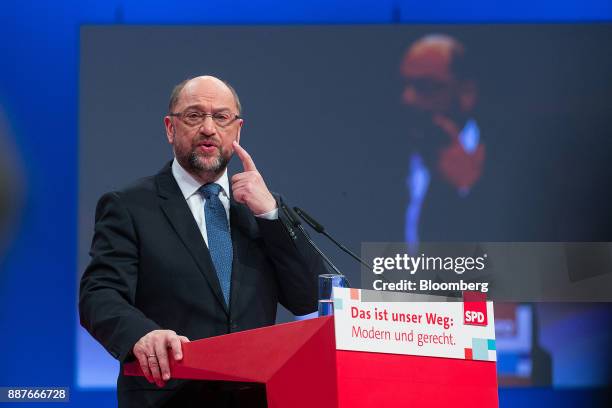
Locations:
406 325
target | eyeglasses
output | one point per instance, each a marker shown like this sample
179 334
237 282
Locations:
196 118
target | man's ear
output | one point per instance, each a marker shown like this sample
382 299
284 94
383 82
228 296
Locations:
170 129
468 95
239 129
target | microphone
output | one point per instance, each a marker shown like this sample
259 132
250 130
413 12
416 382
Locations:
293 217
321 230
310 221
295 221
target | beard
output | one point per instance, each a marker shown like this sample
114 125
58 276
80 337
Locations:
424 135
208 164
203 163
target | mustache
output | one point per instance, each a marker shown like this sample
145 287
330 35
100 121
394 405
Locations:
208 140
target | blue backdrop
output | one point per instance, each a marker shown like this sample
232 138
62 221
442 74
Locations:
39 73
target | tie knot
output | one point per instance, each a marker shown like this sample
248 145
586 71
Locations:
209 190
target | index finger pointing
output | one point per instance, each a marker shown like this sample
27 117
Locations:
245 158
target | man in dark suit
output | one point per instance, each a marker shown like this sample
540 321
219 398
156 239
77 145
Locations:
447 185
181 255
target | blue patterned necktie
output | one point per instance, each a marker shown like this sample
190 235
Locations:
219 239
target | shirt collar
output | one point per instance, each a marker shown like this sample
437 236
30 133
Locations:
190 186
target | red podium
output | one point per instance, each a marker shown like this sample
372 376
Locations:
300 367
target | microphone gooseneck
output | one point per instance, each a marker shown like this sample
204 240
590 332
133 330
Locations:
320 229
295 220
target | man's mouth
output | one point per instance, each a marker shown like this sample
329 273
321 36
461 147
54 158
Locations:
207 147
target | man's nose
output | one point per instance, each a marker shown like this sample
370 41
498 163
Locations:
208 125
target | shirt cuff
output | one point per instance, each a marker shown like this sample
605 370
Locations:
270 215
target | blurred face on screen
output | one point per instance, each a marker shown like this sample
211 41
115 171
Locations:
440 99
433 88
204 147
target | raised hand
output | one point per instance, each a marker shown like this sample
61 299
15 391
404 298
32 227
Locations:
249 187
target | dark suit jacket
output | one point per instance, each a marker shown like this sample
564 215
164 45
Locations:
150 269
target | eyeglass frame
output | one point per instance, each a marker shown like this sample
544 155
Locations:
181 115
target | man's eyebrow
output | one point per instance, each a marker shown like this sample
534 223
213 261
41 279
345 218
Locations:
199 107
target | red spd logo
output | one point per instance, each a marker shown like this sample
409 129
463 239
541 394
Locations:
474 310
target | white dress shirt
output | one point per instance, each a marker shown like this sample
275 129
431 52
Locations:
190 189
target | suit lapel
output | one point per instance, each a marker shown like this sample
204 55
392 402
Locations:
243 230
178 213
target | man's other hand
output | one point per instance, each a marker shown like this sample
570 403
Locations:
152 354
